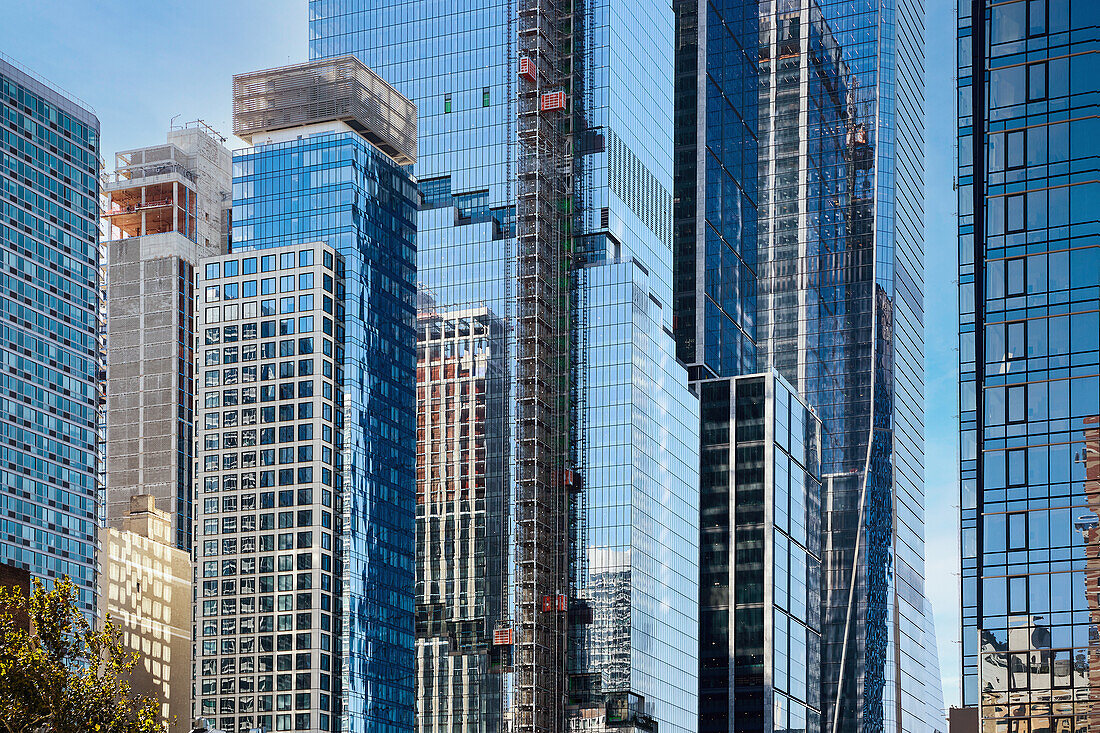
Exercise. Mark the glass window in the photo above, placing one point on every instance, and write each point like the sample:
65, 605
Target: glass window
213, 270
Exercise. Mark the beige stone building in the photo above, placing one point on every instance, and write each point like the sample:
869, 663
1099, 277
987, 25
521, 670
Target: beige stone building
145, 589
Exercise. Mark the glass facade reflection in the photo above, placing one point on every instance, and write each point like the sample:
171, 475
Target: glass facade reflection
1029, 288
837, 299
461, 521
717, 164
760, 543
50, 325
633, 647
546, 141
331, 185
840, 261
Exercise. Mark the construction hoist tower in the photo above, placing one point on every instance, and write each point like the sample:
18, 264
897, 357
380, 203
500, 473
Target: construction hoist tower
541, 332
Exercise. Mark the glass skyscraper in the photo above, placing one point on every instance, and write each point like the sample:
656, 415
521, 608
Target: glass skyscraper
335, 171
716, 208
546, 176
1029, 350
837, 257
51, 331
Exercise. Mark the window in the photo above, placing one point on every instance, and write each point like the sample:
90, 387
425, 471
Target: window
1017, 467
446, 104
213, 271
1017, 531
485, 96
1036, 86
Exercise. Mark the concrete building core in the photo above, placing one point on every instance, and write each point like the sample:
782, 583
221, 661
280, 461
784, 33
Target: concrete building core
166, 206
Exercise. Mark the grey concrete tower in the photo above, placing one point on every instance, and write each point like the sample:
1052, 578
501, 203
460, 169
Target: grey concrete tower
166, 206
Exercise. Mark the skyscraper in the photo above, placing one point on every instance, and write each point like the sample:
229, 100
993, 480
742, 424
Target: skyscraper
837, 294
546, 172
1029, 351
145, 587
166, 206
50, 331
716, 206
324, 324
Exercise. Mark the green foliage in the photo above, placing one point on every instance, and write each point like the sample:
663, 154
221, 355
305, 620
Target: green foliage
63, 676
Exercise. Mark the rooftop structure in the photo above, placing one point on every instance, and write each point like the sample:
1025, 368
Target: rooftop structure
341, 89
180, 186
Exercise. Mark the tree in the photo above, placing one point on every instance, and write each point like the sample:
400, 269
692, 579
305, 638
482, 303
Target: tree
62, 676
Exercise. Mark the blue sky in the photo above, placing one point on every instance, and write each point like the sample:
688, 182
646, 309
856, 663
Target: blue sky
139, 64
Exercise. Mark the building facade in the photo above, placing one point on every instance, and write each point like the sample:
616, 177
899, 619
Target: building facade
461, 520
267, 602
145, 591
1029, 277
50, 326
834, 283
760, 544
546, 173
337, 170
166, 207
717, 164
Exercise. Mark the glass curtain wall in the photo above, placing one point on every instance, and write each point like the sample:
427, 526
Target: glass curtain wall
50, 326
1029, 350
840, 262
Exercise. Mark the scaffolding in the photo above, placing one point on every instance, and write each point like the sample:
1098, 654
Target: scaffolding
542, 378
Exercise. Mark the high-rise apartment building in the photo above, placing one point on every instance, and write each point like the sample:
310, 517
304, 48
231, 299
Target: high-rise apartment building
49, 331
834, 280
166, 207
1029, 351
266, 550
546, 172
332, 145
